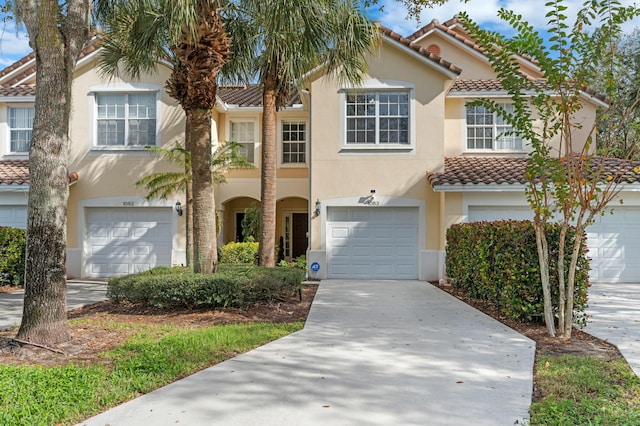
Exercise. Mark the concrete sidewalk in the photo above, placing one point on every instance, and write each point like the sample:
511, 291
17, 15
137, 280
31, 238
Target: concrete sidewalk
79, 293
614, 316
372, 352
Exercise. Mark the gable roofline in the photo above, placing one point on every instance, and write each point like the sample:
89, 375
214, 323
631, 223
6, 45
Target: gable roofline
447, 30
420, 52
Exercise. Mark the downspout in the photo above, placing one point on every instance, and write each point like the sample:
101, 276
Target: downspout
309, 200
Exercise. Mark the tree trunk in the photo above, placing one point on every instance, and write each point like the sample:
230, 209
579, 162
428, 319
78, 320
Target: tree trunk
198, 143
189, 220
57, 46
266, 250
189, 203
543, 258
562, 295
571, 282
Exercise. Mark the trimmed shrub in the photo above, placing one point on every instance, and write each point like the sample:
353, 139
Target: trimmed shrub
233, 286
498, 261
239, 253
12, 260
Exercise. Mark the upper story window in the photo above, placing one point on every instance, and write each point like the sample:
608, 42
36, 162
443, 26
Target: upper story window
486, 130
20, 125
125, 119
244, 133
294, 142
377, 118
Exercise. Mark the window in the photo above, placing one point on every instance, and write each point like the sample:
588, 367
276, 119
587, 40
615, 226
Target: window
243, 132
294, 144
126, 119
377, 118
485, 130
20, 125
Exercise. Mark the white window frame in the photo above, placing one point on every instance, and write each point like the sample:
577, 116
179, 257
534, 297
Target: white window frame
256, 133
122, 88
375, 85
497, 129
7, 121
281, 141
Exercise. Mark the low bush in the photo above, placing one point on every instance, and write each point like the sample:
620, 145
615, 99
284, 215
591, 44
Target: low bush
12, 258
233, 285
298, 262
239, 253
498, 261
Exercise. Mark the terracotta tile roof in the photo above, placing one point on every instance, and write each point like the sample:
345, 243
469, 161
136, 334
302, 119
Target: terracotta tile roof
249, 95
91, 46
446, 26
510, 171
14, 172
455, 28
23, 90
494, 85
421, 50
480, 170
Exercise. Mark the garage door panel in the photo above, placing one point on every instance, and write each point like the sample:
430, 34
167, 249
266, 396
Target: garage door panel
338, 214
340, 232
377, 240
120, 232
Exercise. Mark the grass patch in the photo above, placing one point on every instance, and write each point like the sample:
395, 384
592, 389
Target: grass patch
152, 358
585, 391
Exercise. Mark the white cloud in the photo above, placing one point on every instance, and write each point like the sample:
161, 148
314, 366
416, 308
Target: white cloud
484, 12
13, 45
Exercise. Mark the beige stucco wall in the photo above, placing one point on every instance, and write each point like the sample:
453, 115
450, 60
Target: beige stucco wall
338, 173
105, 174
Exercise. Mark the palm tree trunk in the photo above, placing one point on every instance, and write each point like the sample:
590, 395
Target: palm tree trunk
44, 318
266, 251
198, 143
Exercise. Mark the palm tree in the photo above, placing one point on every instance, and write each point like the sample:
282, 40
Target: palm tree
164, 184
283, 40
191, 35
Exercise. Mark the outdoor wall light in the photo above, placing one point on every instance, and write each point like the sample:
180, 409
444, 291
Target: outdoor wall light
318, 206
179, 208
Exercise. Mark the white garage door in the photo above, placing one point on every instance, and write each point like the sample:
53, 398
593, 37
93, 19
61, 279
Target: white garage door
372, 242
121, 241
614, 246
14, 216
613, 240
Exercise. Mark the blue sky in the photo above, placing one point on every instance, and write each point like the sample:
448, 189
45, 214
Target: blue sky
13, 46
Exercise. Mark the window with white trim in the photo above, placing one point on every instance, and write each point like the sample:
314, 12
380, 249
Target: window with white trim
125, 119
294, 142
486, 130
379, 117
244, 133
20, 126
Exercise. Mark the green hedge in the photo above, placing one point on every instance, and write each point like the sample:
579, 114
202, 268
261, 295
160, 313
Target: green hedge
12, 260
233, 285
239, 253
498, 261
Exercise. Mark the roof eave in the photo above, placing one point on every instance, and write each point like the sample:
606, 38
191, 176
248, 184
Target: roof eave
480, 187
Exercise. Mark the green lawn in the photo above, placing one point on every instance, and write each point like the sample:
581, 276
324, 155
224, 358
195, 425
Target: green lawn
154, 357
586, 391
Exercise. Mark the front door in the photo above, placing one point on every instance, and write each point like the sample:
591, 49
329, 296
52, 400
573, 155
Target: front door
300, 240
239, 219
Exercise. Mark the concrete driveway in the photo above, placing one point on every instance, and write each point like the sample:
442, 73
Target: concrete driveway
79, 293
372, 352
614, 316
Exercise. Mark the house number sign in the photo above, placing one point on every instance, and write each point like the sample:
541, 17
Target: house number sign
128, 203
